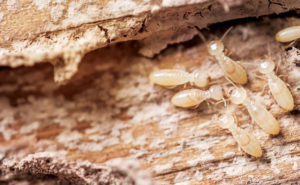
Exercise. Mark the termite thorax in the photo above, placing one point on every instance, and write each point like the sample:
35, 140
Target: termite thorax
215, 92
271, 77
221, 57
199, 79
207, 95
250, 104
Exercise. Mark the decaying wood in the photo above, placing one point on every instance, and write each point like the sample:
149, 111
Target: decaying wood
61, 32
109, 124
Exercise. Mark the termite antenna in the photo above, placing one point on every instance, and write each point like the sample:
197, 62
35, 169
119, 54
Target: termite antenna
228, 53
270, 56
223, 100
226, 33
263, 90
208, 105
201, 35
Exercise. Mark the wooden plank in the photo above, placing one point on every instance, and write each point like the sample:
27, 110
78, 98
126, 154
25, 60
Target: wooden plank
110, 110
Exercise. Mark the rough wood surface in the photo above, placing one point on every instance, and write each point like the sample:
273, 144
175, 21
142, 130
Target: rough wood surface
61, 31
109, 124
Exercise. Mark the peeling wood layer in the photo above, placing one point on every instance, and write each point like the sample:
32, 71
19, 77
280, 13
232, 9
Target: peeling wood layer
62, 32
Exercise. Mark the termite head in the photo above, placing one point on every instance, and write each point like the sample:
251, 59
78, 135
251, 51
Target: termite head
238, 96
267, 66
226, 121
215, 47
215, 92
200, 79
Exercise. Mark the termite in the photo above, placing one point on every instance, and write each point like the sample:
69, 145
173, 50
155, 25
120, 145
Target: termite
245, 140
194, 97
288, 34
278, 88
231, 68
174, 77
258, 113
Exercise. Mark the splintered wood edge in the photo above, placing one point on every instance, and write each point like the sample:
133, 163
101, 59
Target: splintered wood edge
79, 28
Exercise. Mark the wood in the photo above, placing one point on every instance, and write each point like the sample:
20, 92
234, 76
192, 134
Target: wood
110, 125
62, 32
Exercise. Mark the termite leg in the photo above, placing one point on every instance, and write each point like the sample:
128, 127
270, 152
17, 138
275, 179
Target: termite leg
230, 81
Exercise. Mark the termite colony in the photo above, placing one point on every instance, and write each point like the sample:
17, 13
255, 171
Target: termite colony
235, 73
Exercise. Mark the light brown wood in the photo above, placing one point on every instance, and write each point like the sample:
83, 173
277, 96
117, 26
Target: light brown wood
62, 32
110, 110
108, 124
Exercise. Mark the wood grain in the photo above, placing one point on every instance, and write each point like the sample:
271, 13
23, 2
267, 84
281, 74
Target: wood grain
110, 121
62, 32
